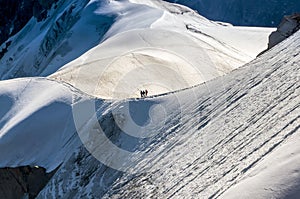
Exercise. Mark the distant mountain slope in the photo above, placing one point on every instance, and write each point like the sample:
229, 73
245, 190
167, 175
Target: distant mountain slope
14, 15
264, 13
44, 46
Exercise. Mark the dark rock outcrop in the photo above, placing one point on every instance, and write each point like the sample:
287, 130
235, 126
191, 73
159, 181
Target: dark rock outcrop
21, 181
288, 26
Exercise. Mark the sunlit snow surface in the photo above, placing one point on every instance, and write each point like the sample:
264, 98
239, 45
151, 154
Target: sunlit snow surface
234, 136
176, 50
112, 49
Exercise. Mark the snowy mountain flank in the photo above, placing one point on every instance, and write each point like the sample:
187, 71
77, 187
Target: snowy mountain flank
219, 122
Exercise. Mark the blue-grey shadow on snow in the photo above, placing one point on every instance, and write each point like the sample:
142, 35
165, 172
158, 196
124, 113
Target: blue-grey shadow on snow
139, 111
6, 104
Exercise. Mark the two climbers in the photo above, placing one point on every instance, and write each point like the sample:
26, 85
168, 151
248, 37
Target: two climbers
144, 93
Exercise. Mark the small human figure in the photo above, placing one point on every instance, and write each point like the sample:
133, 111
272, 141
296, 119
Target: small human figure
141, 92
146, 92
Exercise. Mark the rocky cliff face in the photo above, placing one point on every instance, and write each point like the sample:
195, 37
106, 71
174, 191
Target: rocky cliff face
14, 14
22, 181
288, 26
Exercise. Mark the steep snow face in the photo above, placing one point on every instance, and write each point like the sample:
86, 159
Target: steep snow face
177, 50
277, 176
238, 134
264, 13
36, 122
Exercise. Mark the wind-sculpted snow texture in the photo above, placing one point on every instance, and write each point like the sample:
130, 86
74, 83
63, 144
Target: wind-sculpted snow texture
210, 138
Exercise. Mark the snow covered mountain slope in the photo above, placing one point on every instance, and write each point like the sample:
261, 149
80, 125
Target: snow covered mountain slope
217, 139
191, 48
36, 122
241, 129
72, 28
276, 176
128, 31
236, 134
